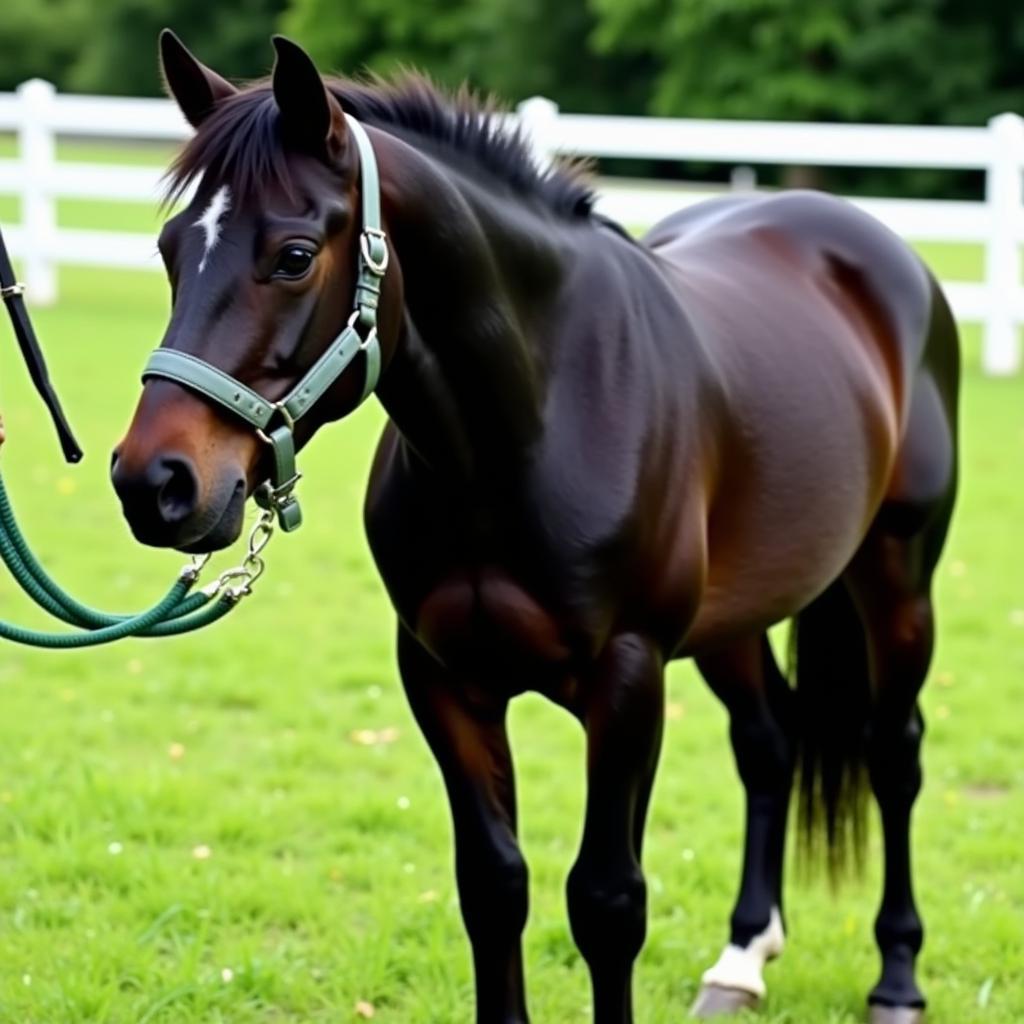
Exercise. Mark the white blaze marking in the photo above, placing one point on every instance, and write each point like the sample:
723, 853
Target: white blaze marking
740, 967
210, 221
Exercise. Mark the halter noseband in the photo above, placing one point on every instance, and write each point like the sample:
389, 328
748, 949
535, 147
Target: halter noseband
275, 421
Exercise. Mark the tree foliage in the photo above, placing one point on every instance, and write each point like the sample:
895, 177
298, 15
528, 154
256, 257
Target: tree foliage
922, 61
121, 55
886, 60
514, 48
111, 46
38, 39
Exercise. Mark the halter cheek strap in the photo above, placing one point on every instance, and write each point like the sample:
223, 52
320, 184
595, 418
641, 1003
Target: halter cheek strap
275, 421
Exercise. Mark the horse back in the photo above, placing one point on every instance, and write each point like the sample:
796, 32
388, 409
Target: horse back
810, 244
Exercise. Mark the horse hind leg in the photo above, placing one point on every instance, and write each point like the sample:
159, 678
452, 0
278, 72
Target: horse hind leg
746, 678
890, 582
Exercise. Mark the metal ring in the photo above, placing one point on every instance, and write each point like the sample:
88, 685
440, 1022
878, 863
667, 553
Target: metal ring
289, 419
254, 566
260, 538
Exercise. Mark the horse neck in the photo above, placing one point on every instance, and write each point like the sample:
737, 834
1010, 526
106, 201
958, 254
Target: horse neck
465, 384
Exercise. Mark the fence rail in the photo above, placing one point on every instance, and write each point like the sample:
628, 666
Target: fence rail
37, 114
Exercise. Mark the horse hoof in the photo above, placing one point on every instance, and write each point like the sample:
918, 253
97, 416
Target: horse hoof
880, 1014
718, 1001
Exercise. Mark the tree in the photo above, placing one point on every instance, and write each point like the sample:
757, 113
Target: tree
384, 34
111, 47
39, 39
920, 61
514, 48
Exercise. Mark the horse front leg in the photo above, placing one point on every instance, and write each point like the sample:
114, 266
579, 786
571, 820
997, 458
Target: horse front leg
623, 713
471, 748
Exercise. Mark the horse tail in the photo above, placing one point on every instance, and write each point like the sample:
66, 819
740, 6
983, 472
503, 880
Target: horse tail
829, 667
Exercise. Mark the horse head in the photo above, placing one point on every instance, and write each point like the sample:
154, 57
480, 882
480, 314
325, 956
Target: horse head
264, 263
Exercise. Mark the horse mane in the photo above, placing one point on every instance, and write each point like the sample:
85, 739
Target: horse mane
240, 144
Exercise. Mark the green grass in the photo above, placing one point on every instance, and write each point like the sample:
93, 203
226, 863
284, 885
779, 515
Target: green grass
101, 151
329, 877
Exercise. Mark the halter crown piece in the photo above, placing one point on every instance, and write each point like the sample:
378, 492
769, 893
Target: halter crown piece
275, 421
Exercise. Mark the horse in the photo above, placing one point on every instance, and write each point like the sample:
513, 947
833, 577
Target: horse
601, 454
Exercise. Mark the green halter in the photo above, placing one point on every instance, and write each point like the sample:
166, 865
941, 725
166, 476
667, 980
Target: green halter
275, 421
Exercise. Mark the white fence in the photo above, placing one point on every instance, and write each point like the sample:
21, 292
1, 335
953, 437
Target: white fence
38, 115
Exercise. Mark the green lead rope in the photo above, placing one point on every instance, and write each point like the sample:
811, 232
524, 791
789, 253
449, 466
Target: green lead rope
179, 611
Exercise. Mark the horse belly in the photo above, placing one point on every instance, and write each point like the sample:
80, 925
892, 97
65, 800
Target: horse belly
816, 425
791, 514
484, 621
775, 550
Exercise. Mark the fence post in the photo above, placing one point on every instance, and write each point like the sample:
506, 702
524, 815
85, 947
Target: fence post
743, 179
539, 120
37, 149
1004, 194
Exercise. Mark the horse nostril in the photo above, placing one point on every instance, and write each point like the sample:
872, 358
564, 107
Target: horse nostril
176, 497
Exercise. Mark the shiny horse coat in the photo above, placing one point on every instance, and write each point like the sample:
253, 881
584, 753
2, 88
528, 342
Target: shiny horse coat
601, 455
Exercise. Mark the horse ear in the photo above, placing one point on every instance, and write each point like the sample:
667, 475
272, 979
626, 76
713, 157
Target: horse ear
311, 117
195, 88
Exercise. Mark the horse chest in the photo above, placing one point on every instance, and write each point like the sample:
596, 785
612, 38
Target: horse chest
484, 615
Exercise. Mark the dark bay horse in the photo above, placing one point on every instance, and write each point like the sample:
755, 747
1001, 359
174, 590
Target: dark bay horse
602, 454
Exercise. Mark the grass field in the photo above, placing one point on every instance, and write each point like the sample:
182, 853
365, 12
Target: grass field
244, 825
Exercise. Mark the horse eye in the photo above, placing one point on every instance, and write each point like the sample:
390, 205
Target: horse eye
293, 262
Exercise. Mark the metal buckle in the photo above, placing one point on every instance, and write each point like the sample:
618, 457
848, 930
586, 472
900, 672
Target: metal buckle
9, 291
369, 262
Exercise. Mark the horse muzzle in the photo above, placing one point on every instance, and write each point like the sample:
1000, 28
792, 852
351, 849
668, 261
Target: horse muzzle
164, 503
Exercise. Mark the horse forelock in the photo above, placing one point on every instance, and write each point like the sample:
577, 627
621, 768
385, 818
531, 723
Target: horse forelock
241, 145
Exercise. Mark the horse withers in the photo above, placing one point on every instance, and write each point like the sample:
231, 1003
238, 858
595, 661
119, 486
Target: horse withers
602, 454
